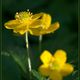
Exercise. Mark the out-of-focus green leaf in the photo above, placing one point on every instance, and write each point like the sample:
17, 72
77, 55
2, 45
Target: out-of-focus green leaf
10, 70
21, 63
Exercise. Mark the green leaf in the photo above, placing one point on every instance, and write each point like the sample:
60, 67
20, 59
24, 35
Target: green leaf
18, 59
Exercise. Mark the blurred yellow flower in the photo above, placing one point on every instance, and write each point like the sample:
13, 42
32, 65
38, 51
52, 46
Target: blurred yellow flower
37, 24
55, 66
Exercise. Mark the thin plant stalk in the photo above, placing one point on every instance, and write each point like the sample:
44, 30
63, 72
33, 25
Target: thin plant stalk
28, 54
40, 43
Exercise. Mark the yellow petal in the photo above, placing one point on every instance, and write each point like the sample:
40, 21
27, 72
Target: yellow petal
44, 70
35, 24
46, 57
37, 16
53, 27
35, 31
67, 69
11, 24
60, 57
46, 21
21, 29
55, 75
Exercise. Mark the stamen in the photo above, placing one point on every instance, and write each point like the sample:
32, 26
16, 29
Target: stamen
31, 13
16, 13
27, 10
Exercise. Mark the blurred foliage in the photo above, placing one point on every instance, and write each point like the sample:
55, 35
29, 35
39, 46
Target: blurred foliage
64, 11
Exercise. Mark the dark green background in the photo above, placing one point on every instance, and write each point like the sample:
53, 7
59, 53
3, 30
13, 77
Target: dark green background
64, 11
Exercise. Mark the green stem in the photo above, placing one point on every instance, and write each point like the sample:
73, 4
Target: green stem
28, 54
40, 41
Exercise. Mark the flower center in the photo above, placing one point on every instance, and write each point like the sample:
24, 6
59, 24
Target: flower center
54, 65
24, 17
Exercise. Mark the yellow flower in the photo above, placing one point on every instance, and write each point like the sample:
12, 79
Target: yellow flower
37, 24
21, 23
55, 66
